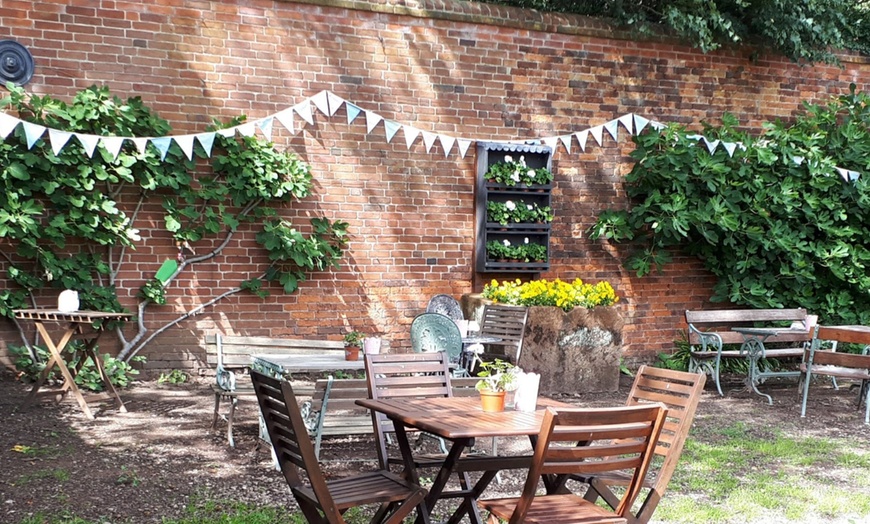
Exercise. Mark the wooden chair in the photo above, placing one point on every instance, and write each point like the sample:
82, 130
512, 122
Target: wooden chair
680, 392
619, 439
838, 364
323, 501
427, 375
507, 323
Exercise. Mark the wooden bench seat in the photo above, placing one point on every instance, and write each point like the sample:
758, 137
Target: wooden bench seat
711, 330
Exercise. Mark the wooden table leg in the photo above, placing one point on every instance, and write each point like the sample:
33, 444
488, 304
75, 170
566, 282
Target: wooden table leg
61, 364
90, 351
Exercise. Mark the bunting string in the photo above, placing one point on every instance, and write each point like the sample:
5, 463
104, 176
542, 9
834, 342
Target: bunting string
328, 104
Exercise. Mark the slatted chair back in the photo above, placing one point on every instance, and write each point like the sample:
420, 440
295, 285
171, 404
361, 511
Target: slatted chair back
621, 439
436, 332
833, 363
445, 305
410, 375
292, 446
507, 323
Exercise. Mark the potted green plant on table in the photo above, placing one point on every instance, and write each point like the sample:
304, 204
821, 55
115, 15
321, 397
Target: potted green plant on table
496, 379
352, 342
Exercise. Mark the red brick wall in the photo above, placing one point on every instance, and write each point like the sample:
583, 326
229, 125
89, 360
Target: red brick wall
462, 69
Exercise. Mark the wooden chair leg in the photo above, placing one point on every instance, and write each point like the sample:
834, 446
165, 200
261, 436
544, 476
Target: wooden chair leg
230, 421
217, 410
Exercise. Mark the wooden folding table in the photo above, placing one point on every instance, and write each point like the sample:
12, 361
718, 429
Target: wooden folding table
77, 322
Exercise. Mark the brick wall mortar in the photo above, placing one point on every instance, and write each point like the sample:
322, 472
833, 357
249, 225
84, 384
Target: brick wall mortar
469, 70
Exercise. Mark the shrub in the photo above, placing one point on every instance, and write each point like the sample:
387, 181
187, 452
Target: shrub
556, 293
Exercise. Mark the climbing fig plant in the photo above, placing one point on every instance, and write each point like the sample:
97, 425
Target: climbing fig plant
70, 221
777, 222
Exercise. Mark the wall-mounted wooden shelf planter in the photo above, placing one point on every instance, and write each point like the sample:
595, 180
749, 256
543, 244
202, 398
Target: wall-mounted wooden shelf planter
535, 156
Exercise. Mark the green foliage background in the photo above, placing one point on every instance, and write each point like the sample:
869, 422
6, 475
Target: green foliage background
777, 223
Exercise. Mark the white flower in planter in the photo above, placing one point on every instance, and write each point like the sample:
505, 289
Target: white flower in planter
510, 205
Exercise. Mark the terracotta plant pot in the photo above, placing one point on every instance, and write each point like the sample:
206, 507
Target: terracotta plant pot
351, 353
492, 401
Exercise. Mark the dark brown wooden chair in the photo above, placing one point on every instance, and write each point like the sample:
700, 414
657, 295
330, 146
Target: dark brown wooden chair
680, 392
619, 440
507, 323
427, 375
323, 501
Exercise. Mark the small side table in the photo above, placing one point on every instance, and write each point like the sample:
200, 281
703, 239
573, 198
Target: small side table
77, 321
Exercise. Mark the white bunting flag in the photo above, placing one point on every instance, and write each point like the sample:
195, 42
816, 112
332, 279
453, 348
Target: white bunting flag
582, 136
392, 128
353, 111
730, 147
411, 134
596, 132
843, 173
711, 145
447, 143
265, 126
428, 140
162, 144
58, 140
463, 146
286, 119
566, 142
612, 128
229, 132
247, 129
33, 132
334, 101
640, 124
185, 142
372, 120
89, 142
112, 144
798, 159
7, 124
551, 141
321, 103
141, 143
206, 140
626, 121
658, 126
303, 109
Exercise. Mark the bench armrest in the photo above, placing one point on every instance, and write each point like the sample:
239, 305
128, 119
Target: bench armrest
709, 341
225, 379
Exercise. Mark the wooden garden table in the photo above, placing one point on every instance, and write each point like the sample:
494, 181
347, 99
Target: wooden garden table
460, 420
76, 322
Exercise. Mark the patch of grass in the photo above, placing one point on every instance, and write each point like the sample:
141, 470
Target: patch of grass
60, 475
737, 475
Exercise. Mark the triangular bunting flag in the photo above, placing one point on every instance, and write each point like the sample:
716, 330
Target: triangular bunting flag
596, 132
112, 144
334, 101
206, 140
286, 119
141, 142
640, 123
411, 134
612, 128
658, 126
227, 133
843, 173
711, 145
33, 132
582, 136
854, 175
551, 141
428, 140
247, 129
185, 142
730, 147
447, 143
463, 146
7, 124
89, 142
58, 139
303, 109
798, 159
352, 112
265, 126
320, 102
162, 144
372, 120
626, 121
391, 128
695, 137
566, 142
